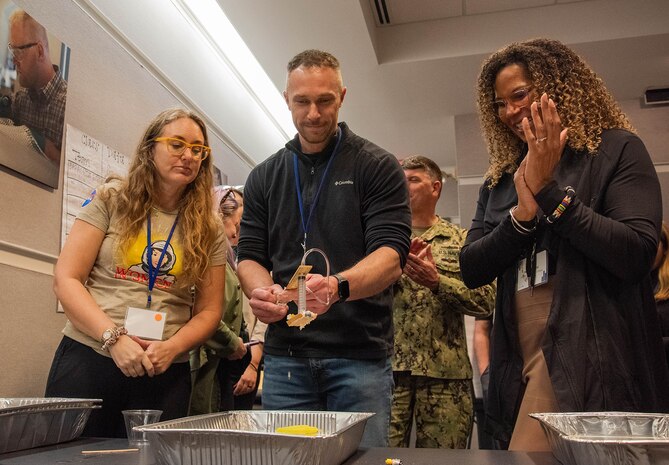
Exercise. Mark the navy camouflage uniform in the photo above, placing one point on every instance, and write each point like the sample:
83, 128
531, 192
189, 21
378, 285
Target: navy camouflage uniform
433, 374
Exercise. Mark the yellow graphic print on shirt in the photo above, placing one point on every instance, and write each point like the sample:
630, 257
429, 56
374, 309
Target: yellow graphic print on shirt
136, 261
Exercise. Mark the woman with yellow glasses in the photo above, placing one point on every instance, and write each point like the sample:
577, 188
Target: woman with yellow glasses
141, 278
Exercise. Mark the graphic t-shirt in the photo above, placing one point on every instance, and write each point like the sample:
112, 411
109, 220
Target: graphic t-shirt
116, 283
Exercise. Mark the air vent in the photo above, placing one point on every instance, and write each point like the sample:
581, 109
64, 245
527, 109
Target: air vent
381, 12
656, 96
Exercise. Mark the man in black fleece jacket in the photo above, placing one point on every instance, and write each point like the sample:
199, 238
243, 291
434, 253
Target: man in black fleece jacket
332, 190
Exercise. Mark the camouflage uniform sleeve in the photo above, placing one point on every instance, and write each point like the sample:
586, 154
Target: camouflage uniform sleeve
452, 291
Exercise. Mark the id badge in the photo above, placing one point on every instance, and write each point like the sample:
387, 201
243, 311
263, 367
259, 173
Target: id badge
144, 323
540, 272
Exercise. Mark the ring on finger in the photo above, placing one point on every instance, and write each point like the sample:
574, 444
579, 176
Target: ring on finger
541, 139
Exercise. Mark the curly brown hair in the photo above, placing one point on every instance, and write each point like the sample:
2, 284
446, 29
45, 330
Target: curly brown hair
584, 104
136, 194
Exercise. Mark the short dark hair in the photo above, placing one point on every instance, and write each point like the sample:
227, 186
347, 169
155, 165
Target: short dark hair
419, 162
313, 59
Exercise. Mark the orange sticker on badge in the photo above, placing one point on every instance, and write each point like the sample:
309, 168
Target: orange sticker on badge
145, 323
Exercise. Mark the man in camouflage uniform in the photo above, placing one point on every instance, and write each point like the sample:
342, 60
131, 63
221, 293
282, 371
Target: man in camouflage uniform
433, 375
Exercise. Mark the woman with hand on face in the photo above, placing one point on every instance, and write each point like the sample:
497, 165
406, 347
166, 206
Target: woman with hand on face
141, 280
567, 221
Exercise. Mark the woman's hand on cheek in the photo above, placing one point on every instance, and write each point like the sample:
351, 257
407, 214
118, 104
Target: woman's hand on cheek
527, 206
545, 144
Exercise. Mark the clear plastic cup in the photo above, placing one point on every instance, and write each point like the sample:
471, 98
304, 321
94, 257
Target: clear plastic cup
139, 418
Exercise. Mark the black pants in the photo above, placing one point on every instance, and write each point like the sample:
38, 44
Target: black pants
78, 371
486, 441
228, 373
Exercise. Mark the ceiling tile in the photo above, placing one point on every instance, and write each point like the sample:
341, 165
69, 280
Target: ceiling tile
475, 7
393, 12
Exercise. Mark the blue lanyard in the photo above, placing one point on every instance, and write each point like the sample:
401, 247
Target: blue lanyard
153, 273
307, 224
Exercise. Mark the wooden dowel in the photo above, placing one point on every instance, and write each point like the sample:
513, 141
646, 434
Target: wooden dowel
108, 451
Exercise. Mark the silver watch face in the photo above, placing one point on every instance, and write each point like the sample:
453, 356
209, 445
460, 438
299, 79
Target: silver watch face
107, 335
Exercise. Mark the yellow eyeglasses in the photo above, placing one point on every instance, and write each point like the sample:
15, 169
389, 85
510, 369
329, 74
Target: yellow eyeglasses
177, 147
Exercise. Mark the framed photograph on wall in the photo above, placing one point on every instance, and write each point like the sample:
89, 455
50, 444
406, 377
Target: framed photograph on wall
220, 178
33, 89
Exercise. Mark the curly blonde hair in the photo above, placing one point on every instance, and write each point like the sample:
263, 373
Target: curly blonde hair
136, 194
584, 104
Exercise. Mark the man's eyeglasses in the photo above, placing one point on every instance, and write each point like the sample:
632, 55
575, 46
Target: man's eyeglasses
177, 147
519, 98
17, 50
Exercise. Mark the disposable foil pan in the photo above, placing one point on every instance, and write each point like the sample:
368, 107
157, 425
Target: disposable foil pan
33, 422
607, 438
249, 438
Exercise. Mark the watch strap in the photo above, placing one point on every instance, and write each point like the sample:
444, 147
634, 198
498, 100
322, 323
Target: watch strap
343, 290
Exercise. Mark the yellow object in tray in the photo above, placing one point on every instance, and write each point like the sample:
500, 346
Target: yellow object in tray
300, 430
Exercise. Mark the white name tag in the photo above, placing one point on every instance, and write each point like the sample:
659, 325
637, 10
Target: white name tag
145, 323
540, 274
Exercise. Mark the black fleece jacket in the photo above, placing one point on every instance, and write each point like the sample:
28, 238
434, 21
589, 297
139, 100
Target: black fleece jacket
363, 205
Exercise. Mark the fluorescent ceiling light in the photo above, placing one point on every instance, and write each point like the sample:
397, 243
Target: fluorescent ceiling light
207, 17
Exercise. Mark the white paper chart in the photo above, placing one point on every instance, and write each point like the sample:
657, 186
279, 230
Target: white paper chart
88, 162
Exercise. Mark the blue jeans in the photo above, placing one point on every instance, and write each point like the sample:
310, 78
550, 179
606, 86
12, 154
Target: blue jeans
333, 384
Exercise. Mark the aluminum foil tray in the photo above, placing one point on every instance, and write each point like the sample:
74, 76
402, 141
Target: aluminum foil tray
248, 438
35, 422
607, 438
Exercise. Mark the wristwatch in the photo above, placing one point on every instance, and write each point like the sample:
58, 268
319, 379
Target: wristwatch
342, 288
111, 335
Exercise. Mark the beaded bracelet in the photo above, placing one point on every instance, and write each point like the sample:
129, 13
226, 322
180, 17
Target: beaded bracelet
519, 227
566, 201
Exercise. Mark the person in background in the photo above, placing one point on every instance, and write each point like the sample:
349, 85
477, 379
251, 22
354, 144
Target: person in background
128, 334
214, 364
661, 278
40, 104
332, 190
431, 367
256, 330
247, 372
481, 343
567, 221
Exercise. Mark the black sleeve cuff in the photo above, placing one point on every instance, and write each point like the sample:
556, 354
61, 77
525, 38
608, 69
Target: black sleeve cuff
549, 198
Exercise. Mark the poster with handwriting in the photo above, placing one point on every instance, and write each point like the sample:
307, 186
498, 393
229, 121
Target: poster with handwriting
88, 162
